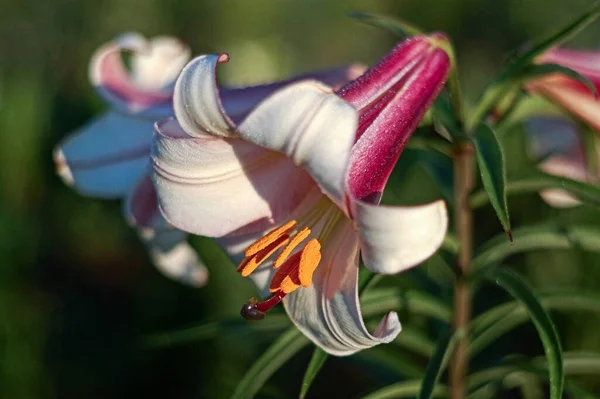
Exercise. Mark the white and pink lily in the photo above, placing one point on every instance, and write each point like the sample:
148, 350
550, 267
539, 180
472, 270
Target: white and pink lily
108, 158
569, 93
559, 144
306, 165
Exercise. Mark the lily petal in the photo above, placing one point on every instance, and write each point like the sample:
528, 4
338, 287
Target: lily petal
585, 62
174, 257
213, 186
312, 126
571, 95
196, 100
106, 157
328, 312
157, 68
168, 247
572, 168
118, 87
389, 121
396, 238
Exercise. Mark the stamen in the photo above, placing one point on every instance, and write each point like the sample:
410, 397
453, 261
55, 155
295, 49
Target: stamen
249, 264
294, 242
309, 260
298, 269
268, 239
283, 279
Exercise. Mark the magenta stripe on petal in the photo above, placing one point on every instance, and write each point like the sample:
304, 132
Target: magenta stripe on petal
402, 106
393, 67
116, 80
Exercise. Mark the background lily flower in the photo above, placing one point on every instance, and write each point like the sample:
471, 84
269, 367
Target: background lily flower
559, 145
108, 158
569, 93
291, 190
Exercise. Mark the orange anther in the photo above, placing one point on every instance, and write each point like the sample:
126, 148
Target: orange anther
250, 263
294, 242
269, 238
284, 276
298, 269
309, 260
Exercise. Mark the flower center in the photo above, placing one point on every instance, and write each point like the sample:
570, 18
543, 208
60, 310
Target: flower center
294, 270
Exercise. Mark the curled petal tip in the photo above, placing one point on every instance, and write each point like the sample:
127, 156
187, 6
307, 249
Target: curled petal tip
223, 57
388, 328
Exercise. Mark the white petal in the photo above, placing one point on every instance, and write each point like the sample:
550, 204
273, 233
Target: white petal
113, 82
168, 248
213, 187
572, 168
158, 66
106, 157
328, 312
312, 126
196, 99
175, 258
395, 238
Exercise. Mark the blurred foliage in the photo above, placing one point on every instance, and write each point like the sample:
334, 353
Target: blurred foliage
77, 292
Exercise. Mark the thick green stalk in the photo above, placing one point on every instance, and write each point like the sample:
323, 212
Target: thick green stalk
463, 218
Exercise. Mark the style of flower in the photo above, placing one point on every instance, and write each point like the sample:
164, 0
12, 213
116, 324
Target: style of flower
291, 190
572, 95
108, 158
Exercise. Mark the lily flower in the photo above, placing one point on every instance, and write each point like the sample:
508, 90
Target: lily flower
572, 95
558, 144
291, 191
108, 158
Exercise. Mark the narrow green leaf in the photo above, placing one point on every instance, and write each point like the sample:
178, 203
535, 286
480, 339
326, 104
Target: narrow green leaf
235, 327
383, 357
538, 70
559, 37
286, 346
488, 382
508, 79
405, 389
318, 359
545, 236
519, 289
532, 181
444, 119
490, 159
383, 300
396, 26
511, 365
492, 324
436, 365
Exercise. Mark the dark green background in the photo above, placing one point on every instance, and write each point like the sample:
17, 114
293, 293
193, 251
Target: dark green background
77, 292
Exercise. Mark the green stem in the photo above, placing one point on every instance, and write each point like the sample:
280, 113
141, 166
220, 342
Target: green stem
463, 216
